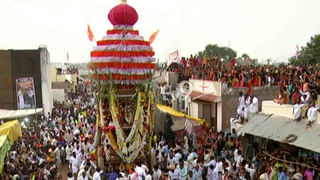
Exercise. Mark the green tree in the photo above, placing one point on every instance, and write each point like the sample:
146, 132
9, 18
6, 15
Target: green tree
310, 54
212, 50
245, 56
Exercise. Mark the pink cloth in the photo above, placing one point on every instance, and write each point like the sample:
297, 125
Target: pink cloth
308, 174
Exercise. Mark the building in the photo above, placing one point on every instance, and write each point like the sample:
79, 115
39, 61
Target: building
25, 79
274, 127
205, 102
63, 78
216, 104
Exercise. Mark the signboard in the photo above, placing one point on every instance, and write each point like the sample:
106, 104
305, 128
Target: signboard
174, 57
26, 96
206, 87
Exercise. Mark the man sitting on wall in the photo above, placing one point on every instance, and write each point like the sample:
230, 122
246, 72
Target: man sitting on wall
312, 114
297, 110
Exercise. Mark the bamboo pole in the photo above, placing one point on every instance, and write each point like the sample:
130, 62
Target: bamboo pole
291, 162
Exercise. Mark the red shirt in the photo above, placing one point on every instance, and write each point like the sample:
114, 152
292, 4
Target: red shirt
250, 86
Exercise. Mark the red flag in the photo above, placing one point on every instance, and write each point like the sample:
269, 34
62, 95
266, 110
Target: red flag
153, 36
233, 61
90, 34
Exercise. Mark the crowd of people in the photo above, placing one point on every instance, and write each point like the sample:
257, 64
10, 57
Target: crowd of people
299, 85
237, 76
64, 138
218, 156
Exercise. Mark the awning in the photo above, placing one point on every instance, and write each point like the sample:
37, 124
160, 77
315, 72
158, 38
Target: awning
12, 129
12, 114
179, 124
177, 114
279, 128
203, 97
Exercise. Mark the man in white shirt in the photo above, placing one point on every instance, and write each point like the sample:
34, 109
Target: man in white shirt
176, 175
68, 137
297, 110
68, 152
82, 175
140, 171
254, 106
247, 101
80, 156
211, 173
241, 106
237, 157
312, 114
57, 153
96, 175
211, 162
305, 96
156, 173
250, 170
74, 164
171, 159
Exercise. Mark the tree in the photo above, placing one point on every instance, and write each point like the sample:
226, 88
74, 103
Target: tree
310, 54
245, 56
212, 50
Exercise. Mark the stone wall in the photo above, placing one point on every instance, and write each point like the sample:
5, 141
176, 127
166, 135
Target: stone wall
230, 101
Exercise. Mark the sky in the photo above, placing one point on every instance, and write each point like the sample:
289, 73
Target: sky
261, 28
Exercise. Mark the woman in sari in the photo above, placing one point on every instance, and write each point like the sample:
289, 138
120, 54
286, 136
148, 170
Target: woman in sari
280, 98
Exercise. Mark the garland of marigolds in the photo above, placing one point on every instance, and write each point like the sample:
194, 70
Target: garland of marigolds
128, 148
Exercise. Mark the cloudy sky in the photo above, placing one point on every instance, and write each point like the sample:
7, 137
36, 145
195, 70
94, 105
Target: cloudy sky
262, 28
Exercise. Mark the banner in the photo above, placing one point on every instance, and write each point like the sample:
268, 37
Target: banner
26, 96
174, 57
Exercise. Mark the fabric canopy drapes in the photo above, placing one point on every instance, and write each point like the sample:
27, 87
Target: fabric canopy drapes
12, 129
175, 113
5, 146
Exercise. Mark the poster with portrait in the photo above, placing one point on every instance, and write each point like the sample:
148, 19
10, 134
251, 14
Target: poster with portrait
26, 96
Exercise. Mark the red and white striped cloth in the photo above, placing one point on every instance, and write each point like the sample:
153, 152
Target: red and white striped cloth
124, 54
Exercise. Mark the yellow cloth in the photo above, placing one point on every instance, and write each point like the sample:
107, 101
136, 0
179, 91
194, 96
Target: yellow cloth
175, 113
12, 129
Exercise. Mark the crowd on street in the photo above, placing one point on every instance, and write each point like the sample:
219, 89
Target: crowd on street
64, 138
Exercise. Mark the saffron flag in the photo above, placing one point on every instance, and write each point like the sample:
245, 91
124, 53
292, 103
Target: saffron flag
153, 36
90, 34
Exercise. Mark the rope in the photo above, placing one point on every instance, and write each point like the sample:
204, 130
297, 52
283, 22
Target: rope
290, 162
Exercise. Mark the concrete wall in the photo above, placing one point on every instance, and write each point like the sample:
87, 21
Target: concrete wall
172, 79
26, 63
59, 95
7, 94
160, 118
47, 99
230, 99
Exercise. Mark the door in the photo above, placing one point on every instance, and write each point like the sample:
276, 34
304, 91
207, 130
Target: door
207, 112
